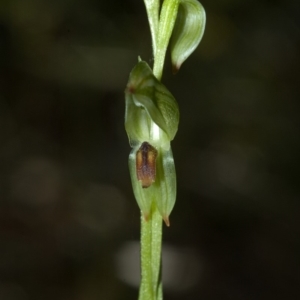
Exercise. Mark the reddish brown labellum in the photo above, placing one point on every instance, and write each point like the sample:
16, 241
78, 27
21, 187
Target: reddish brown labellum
146, 164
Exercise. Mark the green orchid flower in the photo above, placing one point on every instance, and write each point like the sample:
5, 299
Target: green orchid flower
151, 122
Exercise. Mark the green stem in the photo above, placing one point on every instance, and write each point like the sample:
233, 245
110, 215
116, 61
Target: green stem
156, 252
151, 229
151, 241
146, 289
152, 8
166, 24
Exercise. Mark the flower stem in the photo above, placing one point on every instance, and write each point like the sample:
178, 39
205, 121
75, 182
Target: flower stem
152, 8
151, 240
166, 24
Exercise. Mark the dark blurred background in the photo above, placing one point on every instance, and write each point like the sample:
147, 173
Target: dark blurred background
69, 224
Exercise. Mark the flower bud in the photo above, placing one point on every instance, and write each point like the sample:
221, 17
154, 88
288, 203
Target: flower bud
188, 31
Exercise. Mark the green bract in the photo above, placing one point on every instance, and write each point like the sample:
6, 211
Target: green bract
151, 122
188, 31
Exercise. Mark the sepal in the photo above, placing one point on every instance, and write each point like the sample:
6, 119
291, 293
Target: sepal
147, 101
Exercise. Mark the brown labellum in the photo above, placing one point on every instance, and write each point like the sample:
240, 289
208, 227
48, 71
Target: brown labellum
146, 164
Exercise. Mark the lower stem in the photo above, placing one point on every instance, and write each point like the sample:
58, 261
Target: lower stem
151, 241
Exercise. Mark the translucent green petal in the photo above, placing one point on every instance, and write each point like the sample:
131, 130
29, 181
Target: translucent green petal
166, 179
144, 93
144, 197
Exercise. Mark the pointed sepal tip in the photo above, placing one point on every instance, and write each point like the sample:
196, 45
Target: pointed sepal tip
166, 220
